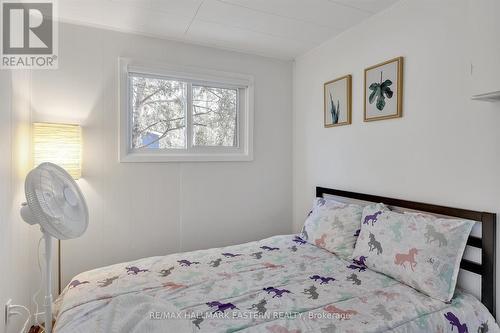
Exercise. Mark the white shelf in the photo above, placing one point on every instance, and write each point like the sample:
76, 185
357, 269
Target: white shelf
488, 97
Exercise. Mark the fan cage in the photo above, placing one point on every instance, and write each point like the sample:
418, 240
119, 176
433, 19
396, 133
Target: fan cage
39, 211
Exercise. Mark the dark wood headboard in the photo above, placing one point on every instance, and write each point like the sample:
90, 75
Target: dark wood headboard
486, 269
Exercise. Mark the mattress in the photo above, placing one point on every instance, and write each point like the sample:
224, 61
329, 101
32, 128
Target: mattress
277, 285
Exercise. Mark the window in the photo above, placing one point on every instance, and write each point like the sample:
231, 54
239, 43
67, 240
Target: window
158, 113
215, 120
181, 114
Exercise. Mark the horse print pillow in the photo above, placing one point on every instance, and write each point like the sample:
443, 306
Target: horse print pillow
419, 250
333, 226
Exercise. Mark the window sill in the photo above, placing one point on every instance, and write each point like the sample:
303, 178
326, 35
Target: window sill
164, 158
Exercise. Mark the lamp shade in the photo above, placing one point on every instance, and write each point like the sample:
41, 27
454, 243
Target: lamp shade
60, 144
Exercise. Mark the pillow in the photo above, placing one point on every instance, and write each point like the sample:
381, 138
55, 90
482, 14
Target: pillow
333, 226
419, 250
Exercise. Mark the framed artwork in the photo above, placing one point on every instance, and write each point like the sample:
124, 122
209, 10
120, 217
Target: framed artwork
337, 101
384, 90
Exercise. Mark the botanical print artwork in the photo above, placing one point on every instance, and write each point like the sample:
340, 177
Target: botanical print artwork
379, 91
337, 102
383, 90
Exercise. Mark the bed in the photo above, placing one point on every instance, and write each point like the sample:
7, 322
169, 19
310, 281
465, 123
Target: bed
280, 284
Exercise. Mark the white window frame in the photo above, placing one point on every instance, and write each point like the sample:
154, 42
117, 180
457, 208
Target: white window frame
245, 85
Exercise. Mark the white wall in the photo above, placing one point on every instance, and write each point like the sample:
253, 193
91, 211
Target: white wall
445, 149
147, 209
5, 193
18, 270
483, 46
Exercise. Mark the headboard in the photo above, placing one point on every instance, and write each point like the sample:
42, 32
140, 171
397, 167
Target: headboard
486, 243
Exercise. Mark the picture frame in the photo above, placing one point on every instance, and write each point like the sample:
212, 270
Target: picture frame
383, 90
339, 90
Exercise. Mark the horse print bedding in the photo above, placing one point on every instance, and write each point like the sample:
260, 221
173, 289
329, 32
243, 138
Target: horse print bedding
419, 250
333, 226
277, 285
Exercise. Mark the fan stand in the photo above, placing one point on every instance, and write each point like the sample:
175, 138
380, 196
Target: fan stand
48, 282
39, 188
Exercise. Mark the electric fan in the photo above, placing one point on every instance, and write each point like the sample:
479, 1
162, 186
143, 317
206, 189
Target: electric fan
56, 203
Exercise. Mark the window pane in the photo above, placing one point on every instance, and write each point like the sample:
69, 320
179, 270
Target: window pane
158, 113
215, 116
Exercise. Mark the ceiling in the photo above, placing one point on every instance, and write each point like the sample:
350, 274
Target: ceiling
277, 28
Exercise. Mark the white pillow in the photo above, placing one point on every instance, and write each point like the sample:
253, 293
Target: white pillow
333, 226
419, 250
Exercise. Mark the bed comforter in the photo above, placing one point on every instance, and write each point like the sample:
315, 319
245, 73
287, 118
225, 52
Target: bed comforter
277, 285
